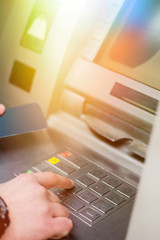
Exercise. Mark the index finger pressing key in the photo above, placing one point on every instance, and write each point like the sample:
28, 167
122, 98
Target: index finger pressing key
49, 180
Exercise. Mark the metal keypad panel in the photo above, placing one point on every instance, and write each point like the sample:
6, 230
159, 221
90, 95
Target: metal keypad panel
96, 194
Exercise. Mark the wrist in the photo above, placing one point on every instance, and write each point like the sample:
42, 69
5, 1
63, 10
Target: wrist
4, 217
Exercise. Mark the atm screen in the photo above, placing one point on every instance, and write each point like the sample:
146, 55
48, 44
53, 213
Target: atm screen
132, 46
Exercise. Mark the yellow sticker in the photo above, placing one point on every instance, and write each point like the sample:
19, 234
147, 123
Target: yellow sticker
54, 160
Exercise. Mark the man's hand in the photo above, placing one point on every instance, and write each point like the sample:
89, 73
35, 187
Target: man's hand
34, 211
2, 109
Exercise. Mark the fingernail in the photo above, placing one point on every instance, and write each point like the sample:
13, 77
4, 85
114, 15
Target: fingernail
71, 182
61, 235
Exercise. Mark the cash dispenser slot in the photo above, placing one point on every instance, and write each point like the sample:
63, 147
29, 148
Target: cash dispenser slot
103, 122
115, 129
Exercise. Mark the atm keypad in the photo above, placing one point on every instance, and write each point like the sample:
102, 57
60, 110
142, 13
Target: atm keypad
96, 194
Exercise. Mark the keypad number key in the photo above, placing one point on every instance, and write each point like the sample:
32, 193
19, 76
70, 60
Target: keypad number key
73, 203
75, 159
87, 196
85, 180
100, 188
61, 194
127, 190
112, 181
98, 173
65, 168
75, 189
115, 198
102, 206
90, 214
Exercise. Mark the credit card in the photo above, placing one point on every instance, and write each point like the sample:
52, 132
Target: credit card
22, 119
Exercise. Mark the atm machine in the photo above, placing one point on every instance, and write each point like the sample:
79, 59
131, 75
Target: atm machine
100, 106
34, 33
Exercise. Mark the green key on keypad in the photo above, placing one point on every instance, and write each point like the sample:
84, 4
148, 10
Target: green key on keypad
28, 171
